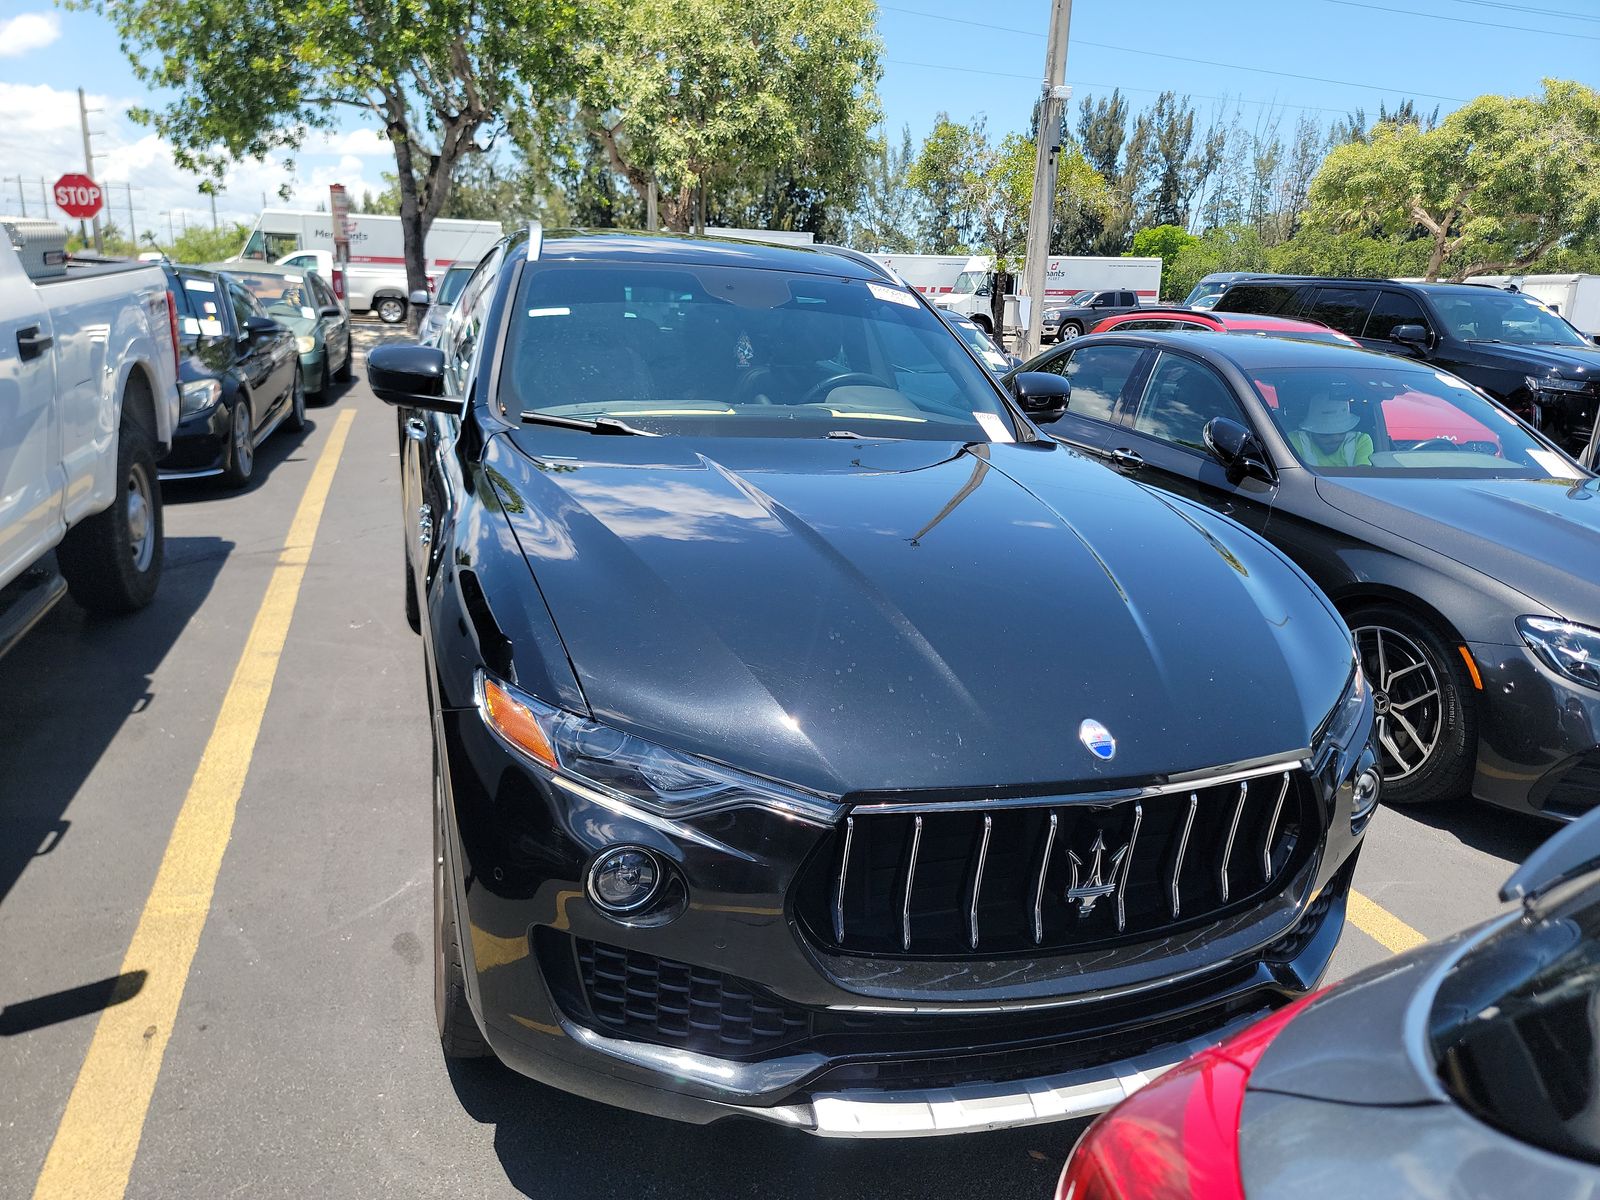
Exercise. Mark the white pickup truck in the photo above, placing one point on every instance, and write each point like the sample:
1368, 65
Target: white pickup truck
88, 401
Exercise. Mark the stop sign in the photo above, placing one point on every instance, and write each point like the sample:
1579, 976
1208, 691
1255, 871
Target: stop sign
78, 196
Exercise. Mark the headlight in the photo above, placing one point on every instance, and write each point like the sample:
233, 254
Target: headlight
1052, 314
306, 344
198, 395
1573, 650
1555, 384
628, 768
1346, 715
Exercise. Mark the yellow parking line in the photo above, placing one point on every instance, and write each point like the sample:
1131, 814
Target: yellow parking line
1381, 925
99, 1133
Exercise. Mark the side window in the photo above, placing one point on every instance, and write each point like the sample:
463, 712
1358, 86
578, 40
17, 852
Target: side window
1393, 309
305, 262
321, 294
244, 305
1268, 299
1098, 374
1344, 309
1128, 299
465, 324
1180, 398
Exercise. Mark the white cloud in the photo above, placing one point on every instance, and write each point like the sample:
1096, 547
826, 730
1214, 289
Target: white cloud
26, 32
39, 139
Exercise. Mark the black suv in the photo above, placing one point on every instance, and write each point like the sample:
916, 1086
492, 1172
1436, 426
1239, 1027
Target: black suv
1506, 343
1068, 318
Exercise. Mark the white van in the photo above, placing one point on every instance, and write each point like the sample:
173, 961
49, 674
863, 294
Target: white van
377, 276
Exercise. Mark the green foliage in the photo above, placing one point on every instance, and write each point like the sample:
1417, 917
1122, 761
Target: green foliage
1499, 183
888, 211
1165, 242
1316, 250
1226, 248
202, 244
699, 94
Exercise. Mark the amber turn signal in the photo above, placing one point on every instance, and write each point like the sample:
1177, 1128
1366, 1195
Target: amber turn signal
514, 721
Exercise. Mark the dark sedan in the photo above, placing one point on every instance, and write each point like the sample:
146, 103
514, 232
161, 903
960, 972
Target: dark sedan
1460, 544
1465, 1068
758, 790
239, 376
304, 303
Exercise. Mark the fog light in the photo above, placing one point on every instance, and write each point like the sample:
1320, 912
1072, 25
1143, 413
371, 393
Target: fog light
624, 879
1364, 797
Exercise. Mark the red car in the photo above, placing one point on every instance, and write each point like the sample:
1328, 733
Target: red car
1172, 319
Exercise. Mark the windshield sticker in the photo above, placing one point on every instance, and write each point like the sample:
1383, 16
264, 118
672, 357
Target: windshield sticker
993, 426
549, 312
1558, 467
892, 295
191, 325
294, 278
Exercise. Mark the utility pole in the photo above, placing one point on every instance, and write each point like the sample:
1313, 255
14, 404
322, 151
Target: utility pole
1041, 214
133, 234
21, 199
88, 166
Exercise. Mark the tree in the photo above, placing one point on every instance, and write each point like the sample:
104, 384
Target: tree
888, 211
1498, 184
936, 176
1170, 126
202, 244
249, 78
1165, 242
1227, 248
689, 94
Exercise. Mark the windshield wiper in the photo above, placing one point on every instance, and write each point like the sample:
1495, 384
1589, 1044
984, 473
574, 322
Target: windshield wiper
608, 425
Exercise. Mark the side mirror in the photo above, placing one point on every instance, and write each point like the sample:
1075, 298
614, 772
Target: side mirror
1238, 450
410, 376
330, 310
256, 328
1415, 336
420, 298
1595, 338
1043, 395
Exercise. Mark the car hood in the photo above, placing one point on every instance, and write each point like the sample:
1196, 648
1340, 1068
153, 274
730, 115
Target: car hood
1572, 362
1538, 536
860, 615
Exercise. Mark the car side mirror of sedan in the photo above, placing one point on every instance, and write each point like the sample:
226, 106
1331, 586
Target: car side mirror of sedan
1415, 336
420, 298
256, 328
1595, 338
1043, 395
330, 310
1238, 450
410, 376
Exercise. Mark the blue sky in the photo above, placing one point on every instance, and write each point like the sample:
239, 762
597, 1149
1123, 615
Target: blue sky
1270, 56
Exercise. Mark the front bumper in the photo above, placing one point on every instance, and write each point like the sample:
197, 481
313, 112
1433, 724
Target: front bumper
1538, 736
867, 1047
199, 445
311, 370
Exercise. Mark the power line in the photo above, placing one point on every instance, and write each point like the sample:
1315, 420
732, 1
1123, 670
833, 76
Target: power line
1179, 57
902, 62
1411, 12
1519, 8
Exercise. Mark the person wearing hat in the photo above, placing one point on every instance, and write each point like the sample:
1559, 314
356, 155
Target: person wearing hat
1327, 436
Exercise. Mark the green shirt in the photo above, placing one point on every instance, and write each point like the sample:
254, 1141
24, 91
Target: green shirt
1354, 451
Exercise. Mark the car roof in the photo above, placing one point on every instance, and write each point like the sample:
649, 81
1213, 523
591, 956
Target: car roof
626, 246
1254, 353
1460, 289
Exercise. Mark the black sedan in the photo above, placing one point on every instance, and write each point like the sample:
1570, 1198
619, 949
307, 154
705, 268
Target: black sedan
239, 378
757, 791
303, 303
1465, 1068
1460, 544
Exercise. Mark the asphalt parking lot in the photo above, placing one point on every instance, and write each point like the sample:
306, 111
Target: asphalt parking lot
300, 1057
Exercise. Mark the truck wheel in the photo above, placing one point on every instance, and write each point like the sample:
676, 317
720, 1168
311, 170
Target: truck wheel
391, 310
1427, 713
241, 467
112, 560
1071, 330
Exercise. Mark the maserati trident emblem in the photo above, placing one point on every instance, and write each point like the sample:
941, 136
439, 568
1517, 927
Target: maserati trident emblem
1097, 739
1088, 892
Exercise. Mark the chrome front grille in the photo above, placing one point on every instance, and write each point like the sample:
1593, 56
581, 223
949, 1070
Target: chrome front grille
991, 877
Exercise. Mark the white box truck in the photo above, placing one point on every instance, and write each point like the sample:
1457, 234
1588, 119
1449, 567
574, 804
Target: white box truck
930, 274
377, 276
1575, 297
1065, 275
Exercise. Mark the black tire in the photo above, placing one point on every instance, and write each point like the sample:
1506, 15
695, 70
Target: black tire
459, 1035
347, 369
1415, 773
296, 420
112, 560
1070, 330
240, 467
325, 384
391, 310
413, 608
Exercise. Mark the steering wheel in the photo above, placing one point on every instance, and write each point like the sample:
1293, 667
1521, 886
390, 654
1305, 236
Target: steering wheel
1436, 443
745, 391
838, 381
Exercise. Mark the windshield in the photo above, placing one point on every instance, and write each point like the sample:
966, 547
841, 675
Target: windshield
1389, 417
287, 298
742, 352
1205, 292
970, 282
1078, 299
1488, 315
450, 285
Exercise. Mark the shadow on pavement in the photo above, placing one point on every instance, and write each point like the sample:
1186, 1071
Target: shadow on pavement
68, 687
552, 1145
281, 446
28, 1015
1509, 836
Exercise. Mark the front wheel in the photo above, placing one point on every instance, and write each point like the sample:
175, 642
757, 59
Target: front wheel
391, 310
112, 560
1069, 331
1427, 721
241, 466
296, 420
